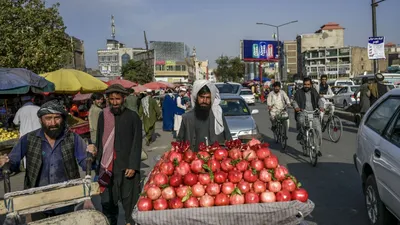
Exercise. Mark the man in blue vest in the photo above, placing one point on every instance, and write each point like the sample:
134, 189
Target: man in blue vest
52, 153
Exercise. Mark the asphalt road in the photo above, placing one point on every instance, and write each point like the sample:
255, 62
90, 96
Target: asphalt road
333, 185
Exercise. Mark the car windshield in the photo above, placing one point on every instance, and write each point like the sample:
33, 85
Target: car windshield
343, 83
354, 89
234, 107
228, 88
246, 93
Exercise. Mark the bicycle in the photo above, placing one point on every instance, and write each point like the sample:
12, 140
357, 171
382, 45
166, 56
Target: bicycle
280, 128
333, 123
309, 136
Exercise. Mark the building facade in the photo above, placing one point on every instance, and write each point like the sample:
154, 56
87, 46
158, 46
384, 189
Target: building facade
290, 50
77, 61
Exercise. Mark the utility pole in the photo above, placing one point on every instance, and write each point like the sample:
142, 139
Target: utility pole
374, 4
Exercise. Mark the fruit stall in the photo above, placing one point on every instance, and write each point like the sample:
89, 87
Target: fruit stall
235, 183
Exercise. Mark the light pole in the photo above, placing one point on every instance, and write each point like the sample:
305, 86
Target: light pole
279, 46
374, 4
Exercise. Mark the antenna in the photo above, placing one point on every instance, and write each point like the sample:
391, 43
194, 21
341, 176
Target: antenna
112, 27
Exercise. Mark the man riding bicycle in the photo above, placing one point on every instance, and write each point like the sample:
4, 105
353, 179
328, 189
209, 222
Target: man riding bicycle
325, 92
277, 101
308, 99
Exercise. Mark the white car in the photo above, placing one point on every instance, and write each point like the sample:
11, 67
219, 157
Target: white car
248, 96
345, 96
377, 159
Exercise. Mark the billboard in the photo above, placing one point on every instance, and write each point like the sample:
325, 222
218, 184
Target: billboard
260, 50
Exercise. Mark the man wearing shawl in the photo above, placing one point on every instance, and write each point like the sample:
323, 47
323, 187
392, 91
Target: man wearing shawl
52, 153
119, 140
168, 111
181, 107
150, 112
205, 122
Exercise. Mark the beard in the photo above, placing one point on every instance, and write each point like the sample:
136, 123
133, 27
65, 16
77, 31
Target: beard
306, 89
202, 111
54, 131
117, 110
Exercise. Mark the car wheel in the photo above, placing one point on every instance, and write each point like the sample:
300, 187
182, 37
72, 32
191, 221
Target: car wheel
376, 209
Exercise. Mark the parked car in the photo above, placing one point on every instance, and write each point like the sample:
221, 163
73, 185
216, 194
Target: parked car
377, 159
229, 88
248, 96
345, 96
238, 116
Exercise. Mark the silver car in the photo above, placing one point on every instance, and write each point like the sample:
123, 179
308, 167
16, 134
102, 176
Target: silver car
345, 96
238, 116
248, 96
377, 159
229, 87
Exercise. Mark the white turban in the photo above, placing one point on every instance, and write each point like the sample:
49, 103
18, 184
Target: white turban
215, 100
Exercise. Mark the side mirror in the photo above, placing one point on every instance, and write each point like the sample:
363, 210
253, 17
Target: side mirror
254, 111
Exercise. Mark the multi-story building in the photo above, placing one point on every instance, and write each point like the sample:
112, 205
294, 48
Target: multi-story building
330, 35
77, 60
290, 50
392, 52
114, 57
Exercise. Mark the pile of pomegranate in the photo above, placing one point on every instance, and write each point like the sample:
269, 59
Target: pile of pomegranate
218, 176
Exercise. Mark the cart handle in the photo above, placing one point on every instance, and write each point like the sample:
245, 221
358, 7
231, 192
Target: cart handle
6, 174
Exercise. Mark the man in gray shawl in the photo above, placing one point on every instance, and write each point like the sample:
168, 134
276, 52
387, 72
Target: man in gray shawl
205, 123
150, 112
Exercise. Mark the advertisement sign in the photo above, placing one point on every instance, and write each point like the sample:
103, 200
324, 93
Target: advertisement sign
170, 63
376, 48
260, 50
160, 62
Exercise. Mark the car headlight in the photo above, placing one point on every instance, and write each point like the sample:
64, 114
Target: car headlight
248, 132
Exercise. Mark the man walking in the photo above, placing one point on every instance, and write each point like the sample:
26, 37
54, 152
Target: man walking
119, 140
94, 113
131, 101
150, 112
168, 110
26, 116
181, 107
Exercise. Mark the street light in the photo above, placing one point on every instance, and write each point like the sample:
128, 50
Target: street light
374, 4
279, 46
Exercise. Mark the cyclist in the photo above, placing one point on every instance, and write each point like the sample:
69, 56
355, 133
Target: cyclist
325, 92
277, 101
308, 99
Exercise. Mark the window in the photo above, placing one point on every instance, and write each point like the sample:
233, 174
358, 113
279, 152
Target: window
362, 67
178, 68
125, 58
381, 115
160, 67
183, 68
246, 93
394, 134
234, 107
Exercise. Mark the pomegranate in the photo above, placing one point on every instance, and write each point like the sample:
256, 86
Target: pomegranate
175, 180
221, 199
160, 179
257, 164
268, 197
160, 204
249, 155
192, 202
206, 201
244, 186
263, 153
190, 179
250, 176
198, 190
214, 165
153, 192
235, 153
289, 185
259, 187
203, 155
300, 195
251, 197
242, 166
175, 156
220, 154
271, 162
265, 176
183, 168
236, 199
204, 178
167, 168
197, 166
235, 176
189, 156
220, 177
280, 173
226, 165
175, 203
145, 204
283, 196
213, 189
227, 188
274, 186
182, 191
253, 142
168, 193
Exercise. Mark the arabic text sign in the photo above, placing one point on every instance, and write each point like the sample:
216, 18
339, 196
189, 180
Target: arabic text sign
376, 48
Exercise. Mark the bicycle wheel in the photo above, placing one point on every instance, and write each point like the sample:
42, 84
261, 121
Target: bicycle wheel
283, 136
335, 128
276, 132
312, 148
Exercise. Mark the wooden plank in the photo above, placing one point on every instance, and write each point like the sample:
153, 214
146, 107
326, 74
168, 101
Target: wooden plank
49, 197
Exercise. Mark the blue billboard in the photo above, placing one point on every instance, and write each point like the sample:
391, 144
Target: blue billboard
260, 50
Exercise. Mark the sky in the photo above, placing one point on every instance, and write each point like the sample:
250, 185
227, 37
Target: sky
216, 27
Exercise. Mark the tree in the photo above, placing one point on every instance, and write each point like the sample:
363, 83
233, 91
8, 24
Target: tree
230, 69
137, 71
32, 36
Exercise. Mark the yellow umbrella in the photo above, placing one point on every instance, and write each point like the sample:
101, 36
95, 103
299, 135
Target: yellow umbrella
70, 81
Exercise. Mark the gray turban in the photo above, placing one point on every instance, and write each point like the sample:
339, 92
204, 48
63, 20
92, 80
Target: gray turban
52, 107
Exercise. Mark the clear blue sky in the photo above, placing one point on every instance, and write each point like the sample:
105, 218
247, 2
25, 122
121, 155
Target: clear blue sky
215, 27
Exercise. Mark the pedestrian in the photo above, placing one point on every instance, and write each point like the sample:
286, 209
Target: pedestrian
131, 102
94, 113
377, 88
168, 111
181, 107
365, 94
26, 117
52, 153
149, 111
206, 122
119, 140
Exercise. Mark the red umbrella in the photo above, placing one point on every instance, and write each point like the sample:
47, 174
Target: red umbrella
124, 83
139, 88
82, 97
155, 85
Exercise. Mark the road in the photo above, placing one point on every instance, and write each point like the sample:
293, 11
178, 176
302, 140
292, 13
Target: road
333, 185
